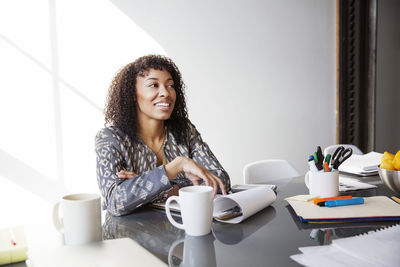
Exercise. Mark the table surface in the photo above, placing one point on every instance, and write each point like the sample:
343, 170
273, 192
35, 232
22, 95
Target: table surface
267, 238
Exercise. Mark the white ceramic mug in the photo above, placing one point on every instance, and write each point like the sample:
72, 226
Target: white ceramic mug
197, 251
196, 205
323, 184
81, 220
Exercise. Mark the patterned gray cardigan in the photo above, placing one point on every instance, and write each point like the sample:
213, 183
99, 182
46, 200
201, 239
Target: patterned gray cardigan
115, 151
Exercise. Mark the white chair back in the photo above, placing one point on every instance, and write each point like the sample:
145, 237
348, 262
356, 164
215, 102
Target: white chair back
268, 170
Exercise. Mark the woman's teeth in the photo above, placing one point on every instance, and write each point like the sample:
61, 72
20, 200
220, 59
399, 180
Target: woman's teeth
162, 105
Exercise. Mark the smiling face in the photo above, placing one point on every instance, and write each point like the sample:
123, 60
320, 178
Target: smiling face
155, 95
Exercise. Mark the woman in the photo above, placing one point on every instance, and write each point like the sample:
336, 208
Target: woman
150, 148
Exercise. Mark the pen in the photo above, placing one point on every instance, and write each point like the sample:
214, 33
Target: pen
344, 202
311, 164
317, 200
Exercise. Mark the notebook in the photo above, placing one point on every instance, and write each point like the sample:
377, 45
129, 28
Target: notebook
377, 208
12, 245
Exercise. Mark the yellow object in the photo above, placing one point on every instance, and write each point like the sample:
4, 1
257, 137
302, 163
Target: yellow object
387, 155
9, 252
396, 161
387, 164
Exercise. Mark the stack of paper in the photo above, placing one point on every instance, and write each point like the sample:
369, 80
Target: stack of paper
381, 248
363, 165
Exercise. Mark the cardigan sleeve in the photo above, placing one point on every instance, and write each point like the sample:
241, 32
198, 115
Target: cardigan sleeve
123, 196
202, 154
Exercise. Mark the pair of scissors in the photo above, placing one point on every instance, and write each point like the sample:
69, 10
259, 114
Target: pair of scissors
340, 155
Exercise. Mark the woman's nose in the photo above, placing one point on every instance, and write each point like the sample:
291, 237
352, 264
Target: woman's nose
163, 91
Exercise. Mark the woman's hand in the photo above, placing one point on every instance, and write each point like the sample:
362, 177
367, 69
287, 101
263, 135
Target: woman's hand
194, 172
126, 174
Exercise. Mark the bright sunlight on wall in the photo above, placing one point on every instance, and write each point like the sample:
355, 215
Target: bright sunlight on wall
57, 60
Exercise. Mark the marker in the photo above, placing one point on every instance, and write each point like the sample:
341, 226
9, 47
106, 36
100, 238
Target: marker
328, 158
317, 200
315, 157
320, 158
326, 167
311, 164
344, 202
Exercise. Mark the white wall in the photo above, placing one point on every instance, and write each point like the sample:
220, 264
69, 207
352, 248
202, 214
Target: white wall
260, 74
260, 77
57, 59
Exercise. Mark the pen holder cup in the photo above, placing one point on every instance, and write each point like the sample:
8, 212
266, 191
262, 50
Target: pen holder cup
322, 184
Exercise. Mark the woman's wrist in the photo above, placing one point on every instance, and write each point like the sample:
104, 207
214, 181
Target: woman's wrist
174, 167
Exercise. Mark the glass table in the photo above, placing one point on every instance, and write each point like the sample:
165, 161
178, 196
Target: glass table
267, 238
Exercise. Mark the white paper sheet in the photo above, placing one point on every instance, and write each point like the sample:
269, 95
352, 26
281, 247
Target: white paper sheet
250, 201
328, 256
381, 248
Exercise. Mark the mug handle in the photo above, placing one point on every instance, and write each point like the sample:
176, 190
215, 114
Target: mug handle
307, 179
171, 250
56, 219
172, 221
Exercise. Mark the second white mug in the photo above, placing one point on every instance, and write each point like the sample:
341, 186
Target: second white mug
323, 184
196, 204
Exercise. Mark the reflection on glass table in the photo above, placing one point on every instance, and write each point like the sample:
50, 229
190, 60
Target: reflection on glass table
196, 251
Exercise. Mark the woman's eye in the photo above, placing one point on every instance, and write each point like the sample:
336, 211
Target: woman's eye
171, 86
154, 85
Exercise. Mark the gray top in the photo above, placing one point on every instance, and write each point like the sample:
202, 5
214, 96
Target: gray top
116, 151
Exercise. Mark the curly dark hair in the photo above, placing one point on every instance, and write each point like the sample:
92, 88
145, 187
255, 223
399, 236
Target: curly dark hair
120, 107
